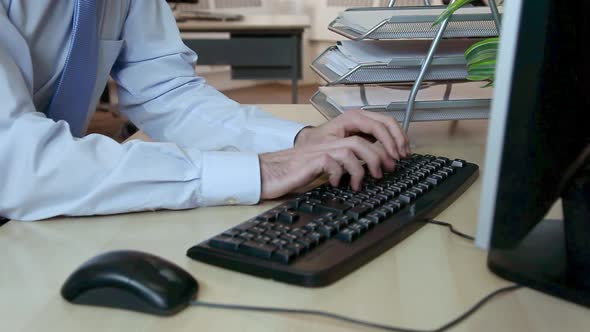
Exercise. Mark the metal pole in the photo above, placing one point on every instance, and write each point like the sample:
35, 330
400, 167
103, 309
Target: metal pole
426, 2
495, 14
391, 3
423, 71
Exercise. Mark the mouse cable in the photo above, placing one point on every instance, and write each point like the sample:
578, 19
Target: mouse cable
339, 317
451, 228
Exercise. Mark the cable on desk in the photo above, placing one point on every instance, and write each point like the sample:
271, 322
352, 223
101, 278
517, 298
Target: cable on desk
451, 228
364, 323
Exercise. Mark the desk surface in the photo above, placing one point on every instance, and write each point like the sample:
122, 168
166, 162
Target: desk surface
423, 282
250, 22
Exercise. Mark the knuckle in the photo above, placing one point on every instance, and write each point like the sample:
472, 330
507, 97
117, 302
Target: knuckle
325, 159
348, 154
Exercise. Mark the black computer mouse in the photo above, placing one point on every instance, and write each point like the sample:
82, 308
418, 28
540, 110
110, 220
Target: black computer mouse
131, 280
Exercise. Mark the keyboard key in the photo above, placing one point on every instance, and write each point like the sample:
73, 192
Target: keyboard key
256, 249
401, 185
262, 239
416, 190
354, 201
450, 170
385, 211
288, 217
297, 248
407, 197
381, 198
311, 226
226, 243
257, 230
270, 217
375, 217
279, 243
434, 180
343, 220
358, 228
296, 202
232, 232
333, 206
347, 235
273, 234
415, 179
426, 171
436, 164
367, 223
362, 196
327, 231
307, 206
247, 225
420, 174
395, 189
265, 225
443, 173
373, 201
298, 232
330, 216
425, 185
358, 211
282, 228
389, 209
316, 237
459, 163
288, 237
284, 256
246, 235
305, 243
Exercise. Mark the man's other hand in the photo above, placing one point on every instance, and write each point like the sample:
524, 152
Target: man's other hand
381, 127
335, 148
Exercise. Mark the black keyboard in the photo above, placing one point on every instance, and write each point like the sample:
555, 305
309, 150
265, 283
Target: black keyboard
328, 232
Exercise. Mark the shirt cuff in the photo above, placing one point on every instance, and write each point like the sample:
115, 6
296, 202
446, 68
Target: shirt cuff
230, 178
291, 130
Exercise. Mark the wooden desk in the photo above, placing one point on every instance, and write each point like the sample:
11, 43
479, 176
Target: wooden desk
423, 282
259, 47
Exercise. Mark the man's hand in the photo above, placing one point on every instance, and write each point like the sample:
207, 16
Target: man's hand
383, 128
335, 149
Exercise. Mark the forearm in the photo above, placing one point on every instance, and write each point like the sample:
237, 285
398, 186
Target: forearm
52, 174
160, 92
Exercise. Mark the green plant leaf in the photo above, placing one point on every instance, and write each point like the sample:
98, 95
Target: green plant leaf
480, 78
481, 60
486, 46
451, 9
483, 65
481, 56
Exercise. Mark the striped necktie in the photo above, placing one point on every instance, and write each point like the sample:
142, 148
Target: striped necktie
71, 101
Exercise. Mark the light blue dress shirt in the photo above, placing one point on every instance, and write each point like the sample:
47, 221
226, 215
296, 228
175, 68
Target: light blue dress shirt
206, 149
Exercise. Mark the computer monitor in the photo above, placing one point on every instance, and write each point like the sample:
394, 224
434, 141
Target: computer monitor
539, 151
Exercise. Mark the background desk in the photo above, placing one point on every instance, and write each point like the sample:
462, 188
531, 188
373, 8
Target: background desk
259, 47
423, 282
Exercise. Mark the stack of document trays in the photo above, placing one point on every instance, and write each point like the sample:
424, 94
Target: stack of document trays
378, 66
470, 100
372, 61
412, 22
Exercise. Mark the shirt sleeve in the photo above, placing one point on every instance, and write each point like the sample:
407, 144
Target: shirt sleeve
160, 93
46, 172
